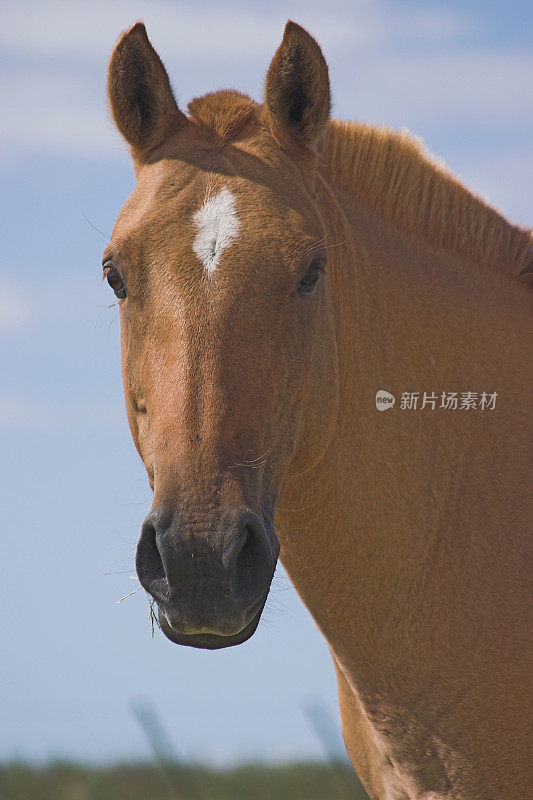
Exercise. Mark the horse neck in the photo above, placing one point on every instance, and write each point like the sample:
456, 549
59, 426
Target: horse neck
405, 499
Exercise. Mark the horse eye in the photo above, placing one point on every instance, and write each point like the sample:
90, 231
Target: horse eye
310, 279
112, 275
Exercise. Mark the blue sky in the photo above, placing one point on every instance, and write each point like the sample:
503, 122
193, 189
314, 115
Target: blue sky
74, 492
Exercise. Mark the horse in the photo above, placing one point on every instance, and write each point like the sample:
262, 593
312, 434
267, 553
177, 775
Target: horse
324, 342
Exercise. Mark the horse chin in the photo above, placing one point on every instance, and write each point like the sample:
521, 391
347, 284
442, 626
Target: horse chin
209, 641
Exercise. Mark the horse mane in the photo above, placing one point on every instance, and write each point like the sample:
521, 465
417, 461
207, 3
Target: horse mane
407, 185
395, 173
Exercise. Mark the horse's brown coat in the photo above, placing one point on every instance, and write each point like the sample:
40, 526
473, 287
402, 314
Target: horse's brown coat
405, 532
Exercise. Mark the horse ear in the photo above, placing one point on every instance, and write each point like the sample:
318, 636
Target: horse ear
297, 92
140, 95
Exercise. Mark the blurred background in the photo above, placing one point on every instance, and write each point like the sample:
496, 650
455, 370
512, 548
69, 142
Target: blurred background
77, 665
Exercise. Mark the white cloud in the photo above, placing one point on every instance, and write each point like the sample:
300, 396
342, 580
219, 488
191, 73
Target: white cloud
16, 310
505, 181
478, 87
20, 413
53, 111
42, 303
202, 30
207, 31
56, 54
24, 413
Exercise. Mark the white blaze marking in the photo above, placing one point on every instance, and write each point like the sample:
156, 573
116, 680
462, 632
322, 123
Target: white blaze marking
218, 226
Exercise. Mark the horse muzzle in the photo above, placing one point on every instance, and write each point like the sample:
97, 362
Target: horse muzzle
210, 580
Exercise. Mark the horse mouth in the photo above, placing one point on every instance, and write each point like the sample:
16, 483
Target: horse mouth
210, 641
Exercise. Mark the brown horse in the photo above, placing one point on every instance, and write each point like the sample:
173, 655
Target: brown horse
281, 278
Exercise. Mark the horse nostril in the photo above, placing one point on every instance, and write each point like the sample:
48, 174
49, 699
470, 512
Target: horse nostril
253, 559
149, 564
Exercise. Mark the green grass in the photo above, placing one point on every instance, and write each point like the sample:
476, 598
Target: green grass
305, 781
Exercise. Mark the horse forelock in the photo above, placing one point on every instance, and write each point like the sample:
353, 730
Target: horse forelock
226, 115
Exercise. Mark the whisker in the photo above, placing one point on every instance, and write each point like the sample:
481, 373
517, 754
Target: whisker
336, 244
114, 318
118, 572
251, 460
105, 235
129, 595
250, 466
154, 619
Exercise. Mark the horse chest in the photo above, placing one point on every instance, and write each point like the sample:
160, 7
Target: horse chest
412, 763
